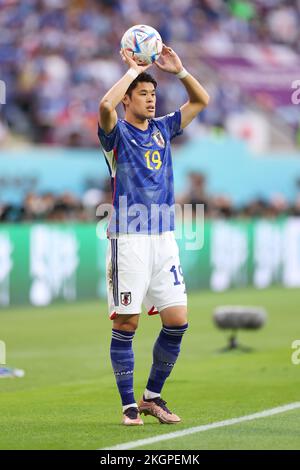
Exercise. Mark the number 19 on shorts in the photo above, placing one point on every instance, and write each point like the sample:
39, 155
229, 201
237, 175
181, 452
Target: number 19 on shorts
178, 279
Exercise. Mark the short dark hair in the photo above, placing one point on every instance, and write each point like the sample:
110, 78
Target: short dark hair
142, 77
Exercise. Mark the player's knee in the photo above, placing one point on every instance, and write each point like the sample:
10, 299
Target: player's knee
174, 316
126, 323
183, 319
183, 323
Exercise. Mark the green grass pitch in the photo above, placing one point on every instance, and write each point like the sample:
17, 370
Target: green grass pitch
68, 398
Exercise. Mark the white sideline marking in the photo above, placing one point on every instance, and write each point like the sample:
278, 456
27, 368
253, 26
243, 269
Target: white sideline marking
205, 427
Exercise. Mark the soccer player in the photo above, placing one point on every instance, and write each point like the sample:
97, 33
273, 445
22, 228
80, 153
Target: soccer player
143, 265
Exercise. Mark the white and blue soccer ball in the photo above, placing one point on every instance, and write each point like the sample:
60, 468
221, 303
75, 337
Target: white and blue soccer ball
143, 43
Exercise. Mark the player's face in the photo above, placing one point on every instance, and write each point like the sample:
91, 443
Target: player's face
142, 101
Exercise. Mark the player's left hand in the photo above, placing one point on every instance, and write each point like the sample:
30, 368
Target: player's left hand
169, 61
131, 63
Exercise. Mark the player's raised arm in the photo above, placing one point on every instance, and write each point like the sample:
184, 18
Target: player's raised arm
198, 96
107, 108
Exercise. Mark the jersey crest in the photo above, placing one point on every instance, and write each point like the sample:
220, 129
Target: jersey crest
158, 139
125, 298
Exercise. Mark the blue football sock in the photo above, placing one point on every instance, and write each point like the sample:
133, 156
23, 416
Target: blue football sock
122, 359
165, 353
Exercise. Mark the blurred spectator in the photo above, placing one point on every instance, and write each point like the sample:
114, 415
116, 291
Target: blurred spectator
196, 193
221, 206
51, 207
59, 57
68, 208
3, 133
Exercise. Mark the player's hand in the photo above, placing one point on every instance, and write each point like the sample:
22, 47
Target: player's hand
131, 63
169, 61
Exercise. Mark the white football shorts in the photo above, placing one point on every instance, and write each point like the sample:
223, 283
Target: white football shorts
143, 269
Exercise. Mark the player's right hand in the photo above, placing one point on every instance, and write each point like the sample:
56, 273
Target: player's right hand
131, 63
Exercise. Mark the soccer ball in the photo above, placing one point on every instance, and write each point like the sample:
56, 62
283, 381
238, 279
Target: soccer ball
143, 43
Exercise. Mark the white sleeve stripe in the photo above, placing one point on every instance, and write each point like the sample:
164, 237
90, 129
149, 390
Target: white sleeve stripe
111, 161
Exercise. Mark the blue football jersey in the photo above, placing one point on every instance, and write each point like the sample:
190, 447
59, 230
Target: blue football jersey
140, 166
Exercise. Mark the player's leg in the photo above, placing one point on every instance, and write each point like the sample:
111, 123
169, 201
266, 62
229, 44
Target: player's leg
168, 295
174, 316
165, 354
126, 322
167, 348
122, 360
125, 287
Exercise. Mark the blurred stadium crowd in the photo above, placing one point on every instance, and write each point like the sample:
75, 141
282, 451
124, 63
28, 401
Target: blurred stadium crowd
58, 57
67, 207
